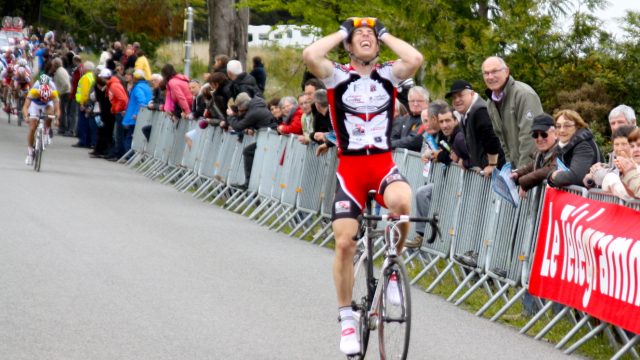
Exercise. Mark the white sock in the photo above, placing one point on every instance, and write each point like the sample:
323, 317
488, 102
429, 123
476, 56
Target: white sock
30, 150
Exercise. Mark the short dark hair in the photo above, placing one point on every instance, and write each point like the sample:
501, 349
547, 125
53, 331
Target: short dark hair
315, 83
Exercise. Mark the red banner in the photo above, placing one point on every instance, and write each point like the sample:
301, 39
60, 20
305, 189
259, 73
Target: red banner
588, 257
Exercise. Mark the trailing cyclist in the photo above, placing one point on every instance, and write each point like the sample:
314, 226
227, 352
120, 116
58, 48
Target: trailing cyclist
43, 96
363, 97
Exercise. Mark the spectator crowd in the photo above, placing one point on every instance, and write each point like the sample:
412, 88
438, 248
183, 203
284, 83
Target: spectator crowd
476, 130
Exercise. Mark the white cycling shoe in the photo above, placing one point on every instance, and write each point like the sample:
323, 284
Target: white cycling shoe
393, 292
349, 342
29, 160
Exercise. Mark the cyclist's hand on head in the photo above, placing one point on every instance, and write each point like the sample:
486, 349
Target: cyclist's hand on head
380, 29
346, 28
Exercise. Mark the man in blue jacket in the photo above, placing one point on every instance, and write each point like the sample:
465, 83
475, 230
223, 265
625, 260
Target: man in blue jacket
139, 96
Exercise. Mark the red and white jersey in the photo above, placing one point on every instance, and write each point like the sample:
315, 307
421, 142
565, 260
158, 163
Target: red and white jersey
362, 108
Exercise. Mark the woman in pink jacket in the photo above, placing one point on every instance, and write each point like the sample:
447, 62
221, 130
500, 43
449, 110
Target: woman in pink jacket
178, 97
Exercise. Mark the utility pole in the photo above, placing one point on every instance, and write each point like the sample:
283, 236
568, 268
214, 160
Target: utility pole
188, 24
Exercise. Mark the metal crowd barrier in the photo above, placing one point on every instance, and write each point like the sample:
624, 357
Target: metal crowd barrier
485, 239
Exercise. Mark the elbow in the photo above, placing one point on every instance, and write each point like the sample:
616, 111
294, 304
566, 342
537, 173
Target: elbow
307, 56
416, 60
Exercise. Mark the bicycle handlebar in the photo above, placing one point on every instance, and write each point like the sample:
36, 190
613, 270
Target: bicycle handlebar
433, 221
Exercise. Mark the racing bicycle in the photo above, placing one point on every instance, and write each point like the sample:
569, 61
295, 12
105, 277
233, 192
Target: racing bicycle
373, 305
40, 141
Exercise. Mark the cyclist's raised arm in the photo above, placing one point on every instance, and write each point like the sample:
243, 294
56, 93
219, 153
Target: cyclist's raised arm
410, 58
315, 55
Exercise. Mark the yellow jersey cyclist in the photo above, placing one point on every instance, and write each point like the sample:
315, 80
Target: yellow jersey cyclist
42, 97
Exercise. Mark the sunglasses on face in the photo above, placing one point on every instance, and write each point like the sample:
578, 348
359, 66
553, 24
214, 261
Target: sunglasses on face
539, 133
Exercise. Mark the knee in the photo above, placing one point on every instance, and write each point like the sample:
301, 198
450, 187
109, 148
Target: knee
345, 246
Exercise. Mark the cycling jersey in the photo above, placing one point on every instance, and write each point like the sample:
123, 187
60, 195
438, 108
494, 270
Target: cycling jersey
361, 112
362, 108
34, 94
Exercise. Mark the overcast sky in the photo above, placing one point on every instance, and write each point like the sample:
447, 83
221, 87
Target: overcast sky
616, 9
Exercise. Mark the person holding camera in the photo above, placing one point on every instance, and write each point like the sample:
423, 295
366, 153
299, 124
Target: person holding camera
628, 167
607, 176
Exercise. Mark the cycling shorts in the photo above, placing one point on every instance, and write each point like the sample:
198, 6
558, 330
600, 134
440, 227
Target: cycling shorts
34, 109
356, 176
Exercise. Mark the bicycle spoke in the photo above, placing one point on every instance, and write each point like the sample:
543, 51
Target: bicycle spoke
395, 314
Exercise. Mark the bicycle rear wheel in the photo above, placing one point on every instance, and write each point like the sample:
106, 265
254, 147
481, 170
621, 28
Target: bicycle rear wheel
19, 110
37, 153
9, 105
395, 313
360, 302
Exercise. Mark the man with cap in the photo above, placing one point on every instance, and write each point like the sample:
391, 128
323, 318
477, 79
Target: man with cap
482, 143
119, 100
362, 96
543, 133
512, 106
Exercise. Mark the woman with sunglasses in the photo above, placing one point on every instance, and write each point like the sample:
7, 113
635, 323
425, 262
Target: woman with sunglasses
577, 150
544, 136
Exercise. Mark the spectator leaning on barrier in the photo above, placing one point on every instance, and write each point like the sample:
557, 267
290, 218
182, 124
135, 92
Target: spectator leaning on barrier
406, 131
241, 81
512, 105
119, 100
630, 168
198, 104
306, 121
292, 123
450, 138
321, 118
252, 115
481, 140
274, 107
177, 102
259, 73
221, 86
85, 85
139, 97
157, 96
577, 150
607, 176
543, 132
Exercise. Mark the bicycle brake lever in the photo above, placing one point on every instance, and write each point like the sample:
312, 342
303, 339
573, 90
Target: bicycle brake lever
435, 230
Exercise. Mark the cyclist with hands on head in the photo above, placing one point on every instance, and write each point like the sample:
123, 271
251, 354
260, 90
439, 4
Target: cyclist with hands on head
43, 96
363, 95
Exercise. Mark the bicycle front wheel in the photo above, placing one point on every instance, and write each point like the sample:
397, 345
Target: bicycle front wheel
361, 302
395, 312
37, 154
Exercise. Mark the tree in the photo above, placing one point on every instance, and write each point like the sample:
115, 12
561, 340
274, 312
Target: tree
228, 30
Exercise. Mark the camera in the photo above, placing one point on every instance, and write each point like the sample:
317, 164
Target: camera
596, 176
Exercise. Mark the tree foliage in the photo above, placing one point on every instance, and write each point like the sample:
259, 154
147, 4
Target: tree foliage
578, 62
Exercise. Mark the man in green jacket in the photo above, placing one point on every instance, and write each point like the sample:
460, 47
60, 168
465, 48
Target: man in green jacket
512, 105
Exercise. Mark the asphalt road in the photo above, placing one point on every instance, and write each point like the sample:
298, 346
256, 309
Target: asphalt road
99, 262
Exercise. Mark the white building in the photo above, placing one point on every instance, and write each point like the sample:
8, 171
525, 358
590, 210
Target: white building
282, 35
